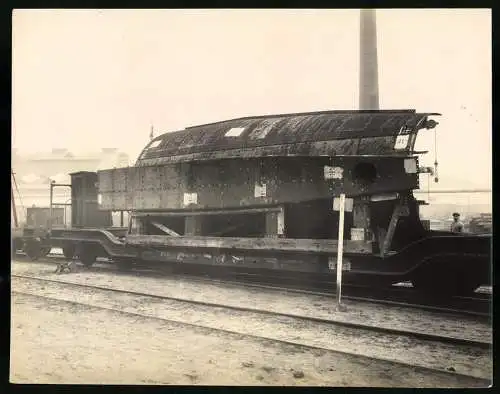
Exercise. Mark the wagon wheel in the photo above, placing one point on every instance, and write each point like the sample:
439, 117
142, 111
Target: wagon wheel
45, 250
69, 251
33, 250
87, 257
14, 246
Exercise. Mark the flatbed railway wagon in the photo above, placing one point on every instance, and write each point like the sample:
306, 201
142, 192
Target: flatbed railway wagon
259, 193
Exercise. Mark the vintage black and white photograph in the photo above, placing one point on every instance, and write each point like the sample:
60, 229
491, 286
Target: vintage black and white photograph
252, 197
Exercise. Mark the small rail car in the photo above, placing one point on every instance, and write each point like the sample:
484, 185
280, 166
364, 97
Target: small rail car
482, 224
40, 216
36, 226
259, 193
34, 237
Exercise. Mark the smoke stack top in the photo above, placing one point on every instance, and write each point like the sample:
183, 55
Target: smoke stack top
368, 61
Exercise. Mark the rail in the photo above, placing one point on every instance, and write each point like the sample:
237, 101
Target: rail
452, 191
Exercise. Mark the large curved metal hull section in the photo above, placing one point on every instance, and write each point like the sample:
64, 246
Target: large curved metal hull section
328, 133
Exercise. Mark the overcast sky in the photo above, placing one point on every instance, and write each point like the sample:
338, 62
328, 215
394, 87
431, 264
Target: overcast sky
91, 79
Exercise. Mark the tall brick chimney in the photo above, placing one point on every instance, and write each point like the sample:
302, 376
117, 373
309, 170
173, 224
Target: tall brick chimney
368, 62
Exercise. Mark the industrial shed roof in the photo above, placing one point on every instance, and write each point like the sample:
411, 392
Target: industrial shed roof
329, 133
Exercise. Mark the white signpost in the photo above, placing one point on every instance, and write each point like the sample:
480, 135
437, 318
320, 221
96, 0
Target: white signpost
340, 252
341, 204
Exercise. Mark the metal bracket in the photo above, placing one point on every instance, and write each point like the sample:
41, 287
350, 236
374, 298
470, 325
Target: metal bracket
53, 184
386, 244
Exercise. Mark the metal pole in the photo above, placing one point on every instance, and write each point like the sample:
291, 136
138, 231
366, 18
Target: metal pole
50, 206
66, 204
121, 218
14, 212
14, 207
340, 251
14, 183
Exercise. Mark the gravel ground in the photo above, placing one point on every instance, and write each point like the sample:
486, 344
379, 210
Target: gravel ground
406, 350
278, 301
59, 342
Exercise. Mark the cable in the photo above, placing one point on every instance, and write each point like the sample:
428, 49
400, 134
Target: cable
19, 194
436, 178
429, 187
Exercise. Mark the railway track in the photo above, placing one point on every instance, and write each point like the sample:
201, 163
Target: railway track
477, 306
423, 350
417, 335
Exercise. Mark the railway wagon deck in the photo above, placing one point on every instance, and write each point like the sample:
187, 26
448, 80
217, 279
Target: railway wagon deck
260, 192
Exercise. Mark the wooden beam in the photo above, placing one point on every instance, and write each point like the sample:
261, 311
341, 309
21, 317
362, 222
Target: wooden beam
392, 228
193, 225
208, 212
380, 236
326, 246
361, 217
361, 213
141, 226
275, 223
165, 229
226, 230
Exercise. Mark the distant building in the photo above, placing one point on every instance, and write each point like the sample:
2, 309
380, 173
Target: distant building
34, 172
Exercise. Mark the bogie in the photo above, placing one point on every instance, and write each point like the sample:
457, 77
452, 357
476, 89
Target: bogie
87, 254
446, 275
45, 250
69, 251
33, 249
